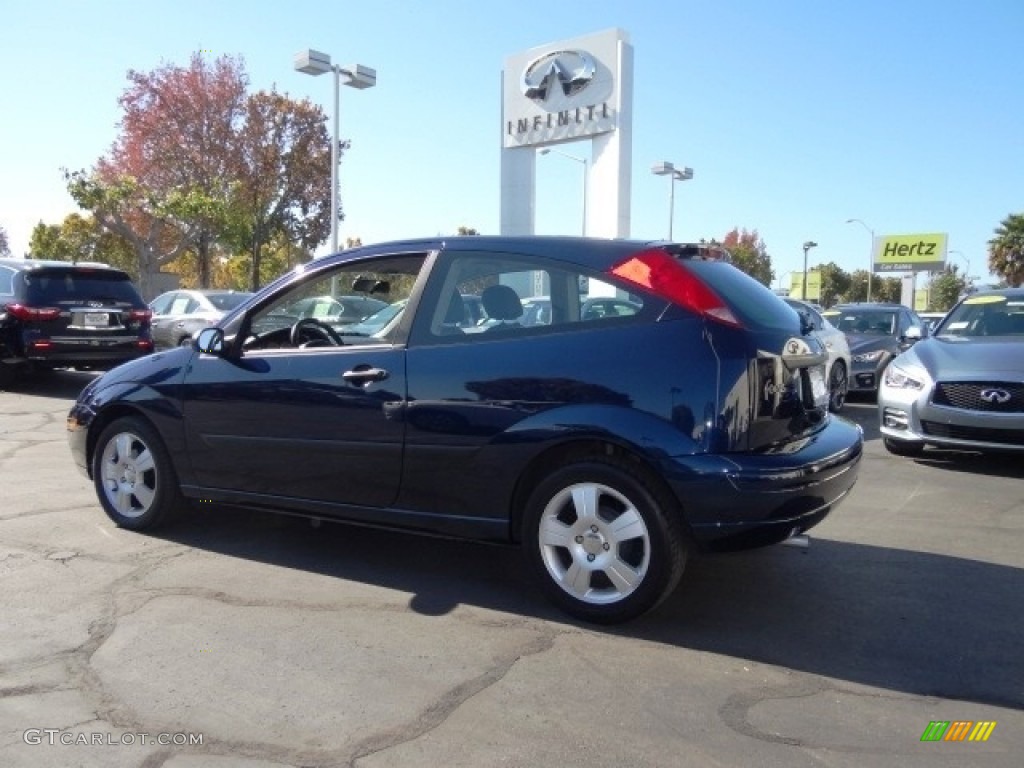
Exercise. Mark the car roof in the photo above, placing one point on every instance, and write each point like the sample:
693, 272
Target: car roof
593, 252
1016, 293
25, 264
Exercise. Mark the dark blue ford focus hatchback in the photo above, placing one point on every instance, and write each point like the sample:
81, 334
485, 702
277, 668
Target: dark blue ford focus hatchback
608, 445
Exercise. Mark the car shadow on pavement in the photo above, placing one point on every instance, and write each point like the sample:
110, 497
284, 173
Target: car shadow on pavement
907, 621
50, 384
974, 463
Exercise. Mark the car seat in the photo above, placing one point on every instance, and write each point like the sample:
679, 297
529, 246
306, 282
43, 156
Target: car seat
502, 303
454, 316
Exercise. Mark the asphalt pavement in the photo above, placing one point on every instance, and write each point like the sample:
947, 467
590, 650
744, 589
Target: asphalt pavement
242, 639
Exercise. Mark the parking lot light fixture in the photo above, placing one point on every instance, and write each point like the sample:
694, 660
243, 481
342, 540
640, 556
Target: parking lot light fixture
357, 76
665, 168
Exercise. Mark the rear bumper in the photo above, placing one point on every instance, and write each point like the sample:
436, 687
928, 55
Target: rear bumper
741, 501
87, 352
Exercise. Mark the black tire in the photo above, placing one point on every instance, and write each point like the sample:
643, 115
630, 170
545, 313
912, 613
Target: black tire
838, 386
134, 479
903, 447
572, 554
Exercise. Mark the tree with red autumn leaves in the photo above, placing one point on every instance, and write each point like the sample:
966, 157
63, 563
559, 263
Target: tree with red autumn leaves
199, 163
750, 254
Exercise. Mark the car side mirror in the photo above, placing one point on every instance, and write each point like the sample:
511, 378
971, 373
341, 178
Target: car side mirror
915, 333
210, 341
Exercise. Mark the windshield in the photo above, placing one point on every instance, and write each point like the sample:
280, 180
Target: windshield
871, 322
985, 316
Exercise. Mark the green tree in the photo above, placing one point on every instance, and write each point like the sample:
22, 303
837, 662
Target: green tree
159, 227
5, 248
858, 286
1006, 250
946, 287
750, 254
887, 289
835, 284
82, 238
465, 231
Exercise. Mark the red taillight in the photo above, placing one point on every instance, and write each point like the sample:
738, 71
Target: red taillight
657, 271
144, 344
41, 345
33, 314
140, 314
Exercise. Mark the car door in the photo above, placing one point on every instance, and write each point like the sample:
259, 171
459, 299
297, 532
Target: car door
314, 424
310, 424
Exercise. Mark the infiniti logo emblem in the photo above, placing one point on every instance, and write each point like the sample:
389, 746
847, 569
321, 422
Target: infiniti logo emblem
999, 396
571, 70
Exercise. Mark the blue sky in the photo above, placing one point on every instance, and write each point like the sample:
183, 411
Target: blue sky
795, 115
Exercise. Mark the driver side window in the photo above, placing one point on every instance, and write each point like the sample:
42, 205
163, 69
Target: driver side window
336, 307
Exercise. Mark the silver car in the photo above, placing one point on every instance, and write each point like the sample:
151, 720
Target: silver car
963, 387
837, 369
179, 314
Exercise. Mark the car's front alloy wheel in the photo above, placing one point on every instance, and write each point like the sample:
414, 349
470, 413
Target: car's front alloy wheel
133, 475
838, 384
605, 545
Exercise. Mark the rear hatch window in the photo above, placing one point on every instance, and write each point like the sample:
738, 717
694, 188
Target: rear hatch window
62, 287
750, 301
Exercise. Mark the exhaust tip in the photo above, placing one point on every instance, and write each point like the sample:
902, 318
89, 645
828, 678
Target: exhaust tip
798, 540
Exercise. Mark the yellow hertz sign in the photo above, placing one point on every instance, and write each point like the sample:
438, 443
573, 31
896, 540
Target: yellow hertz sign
796, 285
910, 253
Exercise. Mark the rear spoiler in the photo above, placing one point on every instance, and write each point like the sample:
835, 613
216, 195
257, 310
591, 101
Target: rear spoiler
699, 251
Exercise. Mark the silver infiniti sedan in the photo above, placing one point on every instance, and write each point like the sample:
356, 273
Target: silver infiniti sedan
962, 387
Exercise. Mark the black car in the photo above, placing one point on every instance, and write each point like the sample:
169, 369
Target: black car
607, 446
63, 314
876, 333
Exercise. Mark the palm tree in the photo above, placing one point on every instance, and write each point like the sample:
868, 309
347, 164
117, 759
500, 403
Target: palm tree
1006, 250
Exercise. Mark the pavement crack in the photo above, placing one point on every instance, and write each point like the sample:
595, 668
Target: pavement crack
440, 710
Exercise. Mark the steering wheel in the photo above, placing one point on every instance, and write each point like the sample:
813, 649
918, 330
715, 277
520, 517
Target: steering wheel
315, 328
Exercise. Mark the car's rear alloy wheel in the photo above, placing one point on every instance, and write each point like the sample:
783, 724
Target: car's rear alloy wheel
903, 447
838, 384
133, 475
602, 542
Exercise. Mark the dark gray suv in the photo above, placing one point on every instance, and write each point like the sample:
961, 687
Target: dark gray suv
58, 314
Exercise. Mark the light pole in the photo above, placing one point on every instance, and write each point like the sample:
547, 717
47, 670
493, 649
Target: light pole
313, 62
666, 168
807, 246
583, 160
967, 274
871, 253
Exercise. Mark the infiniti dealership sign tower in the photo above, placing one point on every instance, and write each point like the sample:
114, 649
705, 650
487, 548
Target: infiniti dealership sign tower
561, 92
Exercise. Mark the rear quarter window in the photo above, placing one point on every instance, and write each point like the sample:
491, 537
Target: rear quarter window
751, 301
